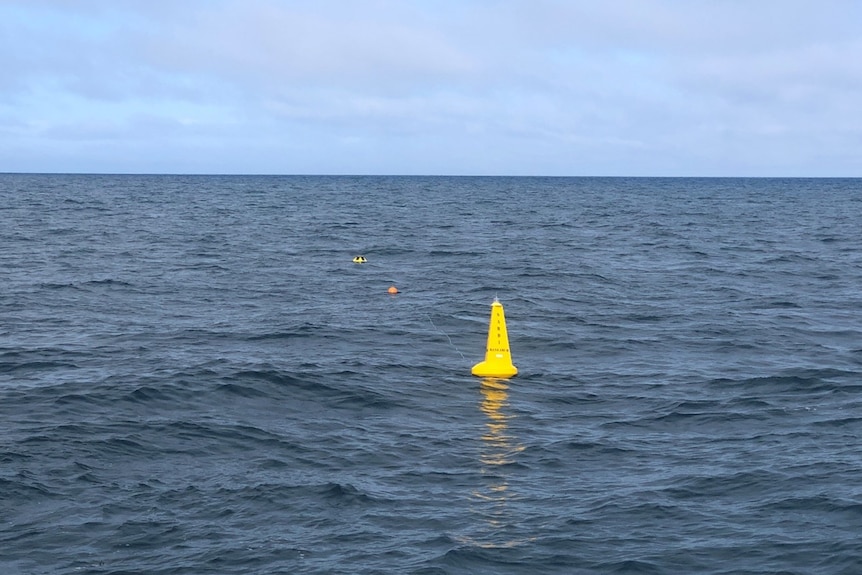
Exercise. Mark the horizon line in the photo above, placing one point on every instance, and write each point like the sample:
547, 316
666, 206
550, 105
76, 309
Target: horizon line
348, 175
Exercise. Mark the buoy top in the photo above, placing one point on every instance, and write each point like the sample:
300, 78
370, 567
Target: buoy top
359, 260
392, 290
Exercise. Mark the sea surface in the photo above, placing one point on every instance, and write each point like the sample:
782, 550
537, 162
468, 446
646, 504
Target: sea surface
195, 378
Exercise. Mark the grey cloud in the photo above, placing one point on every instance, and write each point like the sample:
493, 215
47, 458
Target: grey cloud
640, 86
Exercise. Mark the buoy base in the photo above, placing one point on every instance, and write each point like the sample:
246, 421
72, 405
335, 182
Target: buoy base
494, 369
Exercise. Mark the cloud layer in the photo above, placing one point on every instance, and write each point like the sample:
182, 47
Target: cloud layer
555, 87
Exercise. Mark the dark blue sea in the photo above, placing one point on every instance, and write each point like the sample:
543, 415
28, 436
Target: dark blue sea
195, 378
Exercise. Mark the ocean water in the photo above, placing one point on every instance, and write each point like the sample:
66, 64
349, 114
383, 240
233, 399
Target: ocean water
196, 378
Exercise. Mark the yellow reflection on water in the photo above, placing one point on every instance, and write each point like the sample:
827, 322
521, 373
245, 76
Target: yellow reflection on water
499, 449
497, 443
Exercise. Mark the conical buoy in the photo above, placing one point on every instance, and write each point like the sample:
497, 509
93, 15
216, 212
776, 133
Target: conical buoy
498, 359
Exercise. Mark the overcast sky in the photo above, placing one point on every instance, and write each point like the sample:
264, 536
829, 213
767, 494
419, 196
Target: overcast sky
496, 87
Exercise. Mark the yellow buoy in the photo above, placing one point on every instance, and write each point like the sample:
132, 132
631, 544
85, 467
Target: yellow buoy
392, 290
498, 359
359, 260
